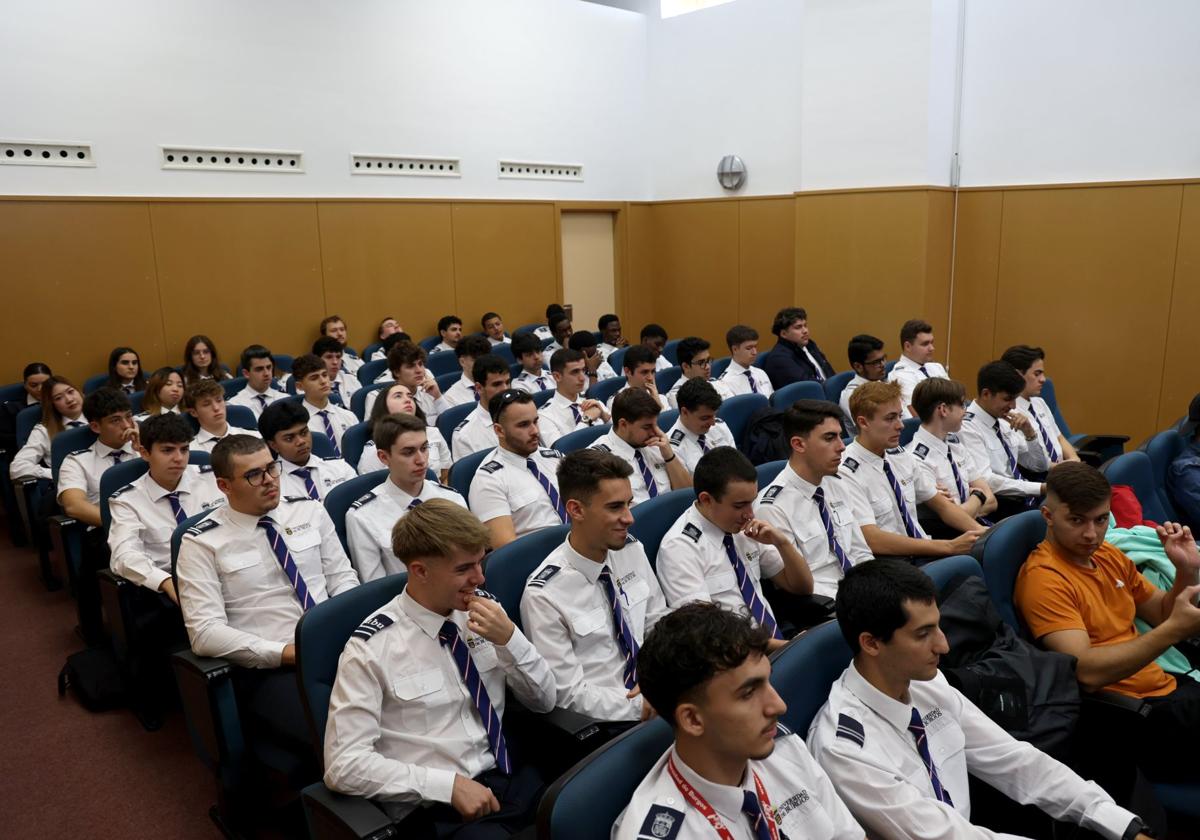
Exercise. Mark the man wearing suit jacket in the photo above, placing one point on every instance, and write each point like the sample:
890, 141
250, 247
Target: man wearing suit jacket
795, 357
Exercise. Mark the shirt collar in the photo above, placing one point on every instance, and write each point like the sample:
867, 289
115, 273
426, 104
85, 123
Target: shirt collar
388, 488
725, 799
588, 568
706, 526
893, 711
104, 450
559, 399
790, 476
312, 409
204, 436
931, 440
467, 382
736, 368
482, 415
862, 454
429, 622
618, 445
905, 363
1024, 404
504, 455
313, 464
244, 521
157, 492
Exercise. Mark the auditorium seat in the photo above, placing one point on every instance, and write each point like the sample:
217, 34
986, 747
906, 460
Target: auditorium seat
232, 386
353, 441
737, 411
451, 417
94, 383
603, 390
540, 398
443, 361
370, 371
782, 399
445, 380
667, 419
615, 358
1162, 450
358, 400
768, 471
719, 366
670, 351
911, 424
581, 438
665, 380
837, 383
463, 470
654, 517
338, 500
427, 344
1136, 470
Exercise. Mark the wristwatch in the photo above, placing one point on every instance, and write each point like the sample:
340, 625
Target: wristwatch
978, 494
1135, 828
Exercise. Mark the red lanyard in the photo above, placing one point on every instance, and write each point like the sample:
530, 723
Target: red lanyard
701, 804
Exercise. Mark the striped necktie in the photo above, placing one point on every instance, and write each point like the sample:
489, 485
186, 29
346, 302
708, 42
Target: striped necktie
117, 455
451, 640
750, 378
1051, 448
827, 521
329, 432
262, 400
576, 413
703, 444
958, 482
335, 394
760, 611
413, 503
917, 728
910, 526
556, 501
75, 424
309, 485
1013, 469
647, 476
541, 381
624, 636
287, 563
176, 508
924, 372
753, 809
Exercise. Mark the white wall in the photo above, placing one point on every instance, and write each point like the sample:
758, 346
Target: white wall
540, 80
1081, 90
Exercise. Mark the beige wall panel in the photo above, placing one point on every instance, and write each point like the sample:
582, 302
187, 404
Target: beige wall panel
696, 290
976, 269
766, 265
506, 260
239, 272
1078, 269
1181, 371
939, 249
589, 265
82, 274
641, 276
385, 258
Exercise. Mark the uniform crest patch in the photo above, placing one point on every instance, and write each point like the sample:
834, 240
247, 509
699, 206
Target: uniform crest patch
483, 593
202, 526
921, 450
691, 531
362, 500
544, 575
205, 469
851, 730
662, 823
297, 499
677, 437
603, 447
850, 464
372, 626
492, 466
772, 492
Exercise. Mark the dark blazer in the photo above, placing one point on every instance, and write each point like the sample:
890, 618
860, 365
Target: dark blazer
787, 363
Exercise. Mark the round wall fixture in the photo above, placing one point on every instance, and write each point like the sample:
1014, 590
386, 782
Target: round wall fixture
731, 172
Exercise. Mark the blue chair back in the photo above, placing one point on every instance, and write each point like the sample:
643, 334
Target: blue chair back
339, 499
15, 391
180, 530
837, 383
788, 394
94, 383
540, 398
546, 342
126, 472
1051, 399
443, 361
370, 371
27, 418
135, 401
615, 358
667, 419
585, 801
911, 424
603, 390
654, 517
504, 351
1001, 552
803, 671
736, 412
508, 567
358, 400
353, 441
1162, 449
321, 635
445, 380
887, 368
671, 351
1136, 470
321, 447
526, 328
463, 471
761, 359
289, 387
429, 343
370, 349
665, 380
719, 366
450, 418
66, 442
768, 471
581, 438
232, 386
241, 416
948, 568
283, 363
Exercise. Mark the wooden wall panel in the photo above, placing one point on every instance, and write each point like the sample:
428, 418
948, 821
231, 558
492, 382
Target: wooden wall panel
505, 259
640, 283
388, 258
939, 250
1086, 273
696, 288
1181, 372
976, 273
239, 272
766, 264
82, 274
862, 263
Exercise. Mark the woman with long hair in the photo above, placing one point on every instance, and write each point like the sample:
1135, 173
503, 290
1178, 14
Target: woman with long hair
396, 398
125, 370
200, 361
62, 408
163, 393
33, 377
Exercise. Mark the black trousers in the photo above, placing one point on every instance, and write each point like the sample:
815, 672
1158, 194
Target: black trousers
1170, 740
271, 711
517, 794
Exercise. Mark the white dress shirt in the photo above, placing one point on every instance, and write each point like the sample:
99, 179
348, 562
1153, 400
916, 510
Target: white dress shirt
326, 473
662, 401
933, 457
428, 405
980, 433
504, 486
909, 374
206, 441
370, 520
662, 363
344, 385
613, 443
543, 332
139, 538
605, 349
81, 470
687, 445
737, 382
439, 454
401, 722
442, 347
873, 499
1042, 418
340, 418
851, 387
497, 342
475, 433
351, 363
461, 392
237, 601
556, 418
694, 566
33, 459
673, 394
569, 619
861, 739
787, 504
533, 383
254, 400
799, 792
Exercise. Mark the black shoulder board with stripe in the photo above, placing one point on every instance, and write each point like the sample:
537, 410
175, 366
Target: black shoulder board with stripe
921, 450
492, 466
119, 491
205, 468
952, 437
331, 458
297, 499
851, 730
899, 450
781, 730
630, 539
970, 415
362, 500
772, 491
677, 437
550, 453
461, 425
202, 526
372, 626
850, 464
691, 531
544, 575
79, 451
603, 447
447, 487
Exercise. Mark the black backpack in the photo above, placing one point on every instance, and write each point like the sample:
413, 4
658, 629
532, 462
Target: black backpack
93, 675
1031, 693
764, 441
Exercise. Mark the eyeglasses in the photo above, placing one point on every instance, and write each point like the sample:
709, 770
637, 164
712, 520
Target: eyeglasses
256, 478
702, 362
880, 362
504, 399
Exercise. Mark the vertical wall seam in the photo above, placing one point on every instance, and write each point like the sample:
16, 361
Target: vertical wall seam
162, 311
453, 262
996, 284
321, 259
1162, 377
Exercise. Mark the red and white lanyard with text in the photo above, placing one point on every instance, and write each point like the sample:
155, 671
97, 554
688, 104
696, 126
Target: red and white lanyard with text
701, 804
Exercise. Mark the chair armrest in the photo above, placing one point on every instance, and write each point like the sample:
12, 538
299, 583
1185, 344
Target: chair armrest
1100, 444
206, 691
111, 586
1114, 701
334, 816
61, 520
578, 726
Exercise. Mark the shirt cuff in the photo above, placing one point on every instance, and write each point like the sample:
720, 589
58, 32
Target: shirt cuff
271, 654
1031, 488
155, 577
1109, 819
518, 647
439, 786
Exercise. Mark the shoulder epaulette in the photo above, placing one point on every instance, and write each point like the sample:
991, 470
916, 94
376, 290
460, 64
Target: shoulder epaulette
205, 469
544, 575
662, 823
952, 438
79, 451
970, 415
550, 453
331, 458
372, 626
781, 730
677, 437
692, 532
772, 491
921, 450
119, 491
297, 499
630, 539
447, 487
492, 466
202, 526
362, 500
603, 447
483, 593
461, 425
899, 450
851, 730
850, 464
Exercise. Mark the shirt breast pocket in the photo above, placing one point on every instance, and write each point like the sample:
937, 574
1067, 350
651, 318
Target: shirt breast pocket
590, 623
806, 817
238, 562
418, 697
721, 580
157, 537
637, 593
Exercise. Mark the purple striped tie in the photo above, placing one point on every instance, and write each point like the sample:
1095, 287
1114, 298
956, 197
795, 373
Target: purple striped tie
917, 728
451, 640
287, 563
625, 640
